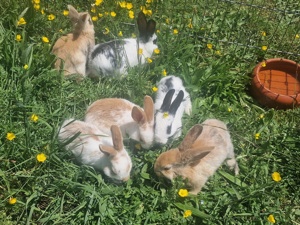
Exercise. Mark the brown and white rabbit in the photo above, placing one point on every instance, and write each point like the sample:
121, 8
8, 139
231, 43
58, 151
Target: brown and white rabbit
73, 50
93, 148
200, 154
135, 122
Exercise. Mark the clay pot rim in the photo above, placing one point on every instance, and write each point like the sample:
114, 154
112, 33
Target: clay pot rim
258, 67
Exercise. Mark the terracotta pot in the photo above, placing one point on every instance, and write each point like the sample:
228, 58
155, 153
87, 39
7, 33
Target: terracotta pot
276, 83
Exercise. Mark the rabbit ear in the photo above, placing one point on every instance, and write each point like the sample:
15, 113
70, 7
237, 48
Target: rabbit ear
151, 27
117, 137
193, 156
176, 103
73, 14
107, 150
167, 100
142, 24
138, 115
191, 137
149, 108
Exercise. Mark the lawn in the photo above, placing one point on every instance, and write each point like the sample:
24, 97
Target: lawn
213, 47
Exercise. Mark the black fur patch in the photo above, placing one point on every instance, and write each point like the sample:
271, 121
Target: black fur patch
169, 128
169, 83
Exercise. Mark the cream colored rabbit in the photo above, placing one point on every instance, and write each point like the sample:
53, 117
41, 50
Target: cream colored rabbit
74, 49
201, 153
93, 148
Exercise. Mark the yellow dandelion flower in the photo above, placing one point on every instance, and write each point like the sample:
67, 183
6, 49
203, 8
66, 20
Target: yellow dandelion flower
120, 34
148, 12
183, 192
264, 48
263, 33
100, 15
42, 12
190, 24
98, 2
18, 37
271, 219
10, 136
264, 64
51, 17
34, 118
187, 213
167, 21
129, 6
45, 39
93, 9
149, 1
276, 176
297, 36
113, 14
65, 12
138, 146
140, 51
218, 52
37, 6
41, 157
261, 116
157, 31
149, 60
154, 89
257, 136
94, 18
209, 46
106, 13
25, 67
175, 31
164, 72
106, 30
21, 21
229, 109
12, 201
122, 4
36, 1
165, 115
156, 51
131, 14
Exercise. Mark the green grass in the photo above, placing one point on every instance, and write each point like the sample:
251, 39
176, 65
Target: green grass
59, 191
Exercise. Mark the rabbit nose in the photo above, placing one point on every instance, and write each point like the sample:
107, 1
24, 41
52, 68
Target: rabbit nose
125, 179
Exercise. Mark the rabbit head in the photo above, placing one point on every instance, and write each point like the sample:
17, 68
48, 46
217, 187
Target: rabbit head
119, 165
145, 120
167, 123
82, 22
181, 161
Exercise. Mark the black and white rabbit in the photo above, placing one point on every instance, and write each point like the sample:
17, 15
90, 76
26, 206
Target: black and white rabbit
172, 100
92, 147
113, 58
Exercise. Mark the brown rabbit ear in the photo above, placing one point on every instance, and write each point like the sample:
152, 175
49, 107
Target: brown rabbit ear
117, 137
138, 115
190, 137
73, 14
107, 150
149, 108
193, 156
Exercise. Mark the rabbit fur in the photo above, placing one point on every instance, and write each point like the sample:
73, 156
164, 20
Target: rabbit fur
200, 154
114, 57
135, 122
94, 148
73, 50
171, 102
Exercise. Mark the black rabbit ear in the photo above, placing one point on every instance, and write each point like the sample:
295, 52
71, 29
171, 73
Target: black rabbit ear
176, 103
167, 101
151, 27
142, 24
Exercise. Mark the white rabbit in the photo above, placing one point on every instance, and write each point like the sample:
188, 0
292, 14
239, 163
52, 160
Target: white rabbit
115, 57
200, 154
93, 148
133, 121
73, 50
172, 100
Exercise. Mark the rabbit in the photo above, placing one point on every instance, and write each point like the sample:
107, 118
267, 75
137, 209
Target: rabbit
171, 101
74, 48
113, 58
133, 121
199, 155
94, 148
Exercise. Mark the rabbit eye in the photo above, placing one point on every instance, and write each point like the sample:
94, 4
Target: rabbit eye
154, 41
167, 168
